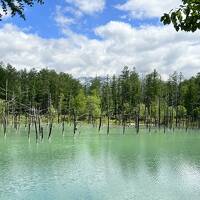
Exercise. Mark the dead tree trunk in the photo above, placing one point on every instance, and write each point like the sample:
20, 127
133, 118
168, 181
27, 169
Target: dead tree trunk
63, 125
35, 123
138, 120
29, 129
50, 129
4, 126
41, 133
15, 122
100, 122
186, 122
39, 124
159, 114
108, 125
124, 124
36, 130
164, 121
75, 122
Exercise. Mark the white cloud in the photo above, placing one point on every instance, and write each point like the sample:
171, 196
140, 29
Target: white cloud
61, 19
72, 12
148, 8
120, 44
88, 6
4, 15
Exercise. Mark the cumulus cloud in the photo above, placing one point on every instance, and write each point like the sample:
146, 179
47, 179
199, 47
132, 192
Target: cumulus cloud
73, 10
88, 6
120, 44
148, 8
61, 19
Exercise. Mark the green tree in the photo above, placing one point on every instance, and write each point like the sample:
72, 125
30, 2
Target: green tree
125, 89
95, 85
181, 112
151, 88
135, 88
2, 107
114, 97
17, 6
197, 112
94, 105
52, 113
186, 17
80, 103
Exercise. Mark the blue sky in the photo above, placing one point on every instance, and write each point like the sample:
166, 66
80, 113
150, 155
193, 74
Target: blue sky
89, 38
41, 19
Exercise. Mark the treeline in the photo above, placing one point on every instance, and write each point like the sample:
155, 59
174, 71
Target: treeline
126, 99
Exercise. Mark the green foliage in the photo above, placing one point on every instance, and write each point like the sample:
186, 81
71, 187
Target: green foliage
185, 18
95, 85
181, 111
52, 113
61, 104
126, 94
17, 6
154, 109
80, 102
191, 94
197, 112
34, 88
171, 111
94, 104
2, 107
127, 108
142, 110
152, 88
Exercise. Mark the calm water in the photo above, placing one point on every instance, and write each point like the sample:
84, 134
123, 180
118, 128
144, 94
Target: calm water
97, 167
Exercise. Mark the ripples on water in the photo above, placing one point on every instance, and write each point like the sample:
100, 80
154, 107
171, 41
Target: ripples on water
88, 166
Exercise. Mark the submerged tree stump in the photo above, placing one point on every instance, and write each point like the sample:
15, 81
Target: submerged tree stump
100, 123
108, 125
63, 126
50, 130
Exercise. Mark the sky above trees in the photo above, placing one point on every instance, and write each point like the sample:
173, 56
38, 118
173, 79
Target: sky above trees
89, 38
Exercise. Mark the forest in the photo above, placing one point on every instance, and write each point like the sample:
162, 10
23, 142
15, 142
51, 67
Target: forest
126, 99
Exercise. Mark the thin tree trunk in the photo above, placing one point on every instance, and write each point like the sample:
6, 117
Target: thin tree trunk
41, 133
75, 123
4, 126
29, 129
50, 130
159, 115
36, 130
100, 122
63, 126
124, 124
108, 125
138, 120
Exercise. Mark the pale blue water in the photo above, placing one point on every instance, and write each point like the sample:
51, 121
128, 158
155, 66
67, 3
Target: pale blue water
90, 166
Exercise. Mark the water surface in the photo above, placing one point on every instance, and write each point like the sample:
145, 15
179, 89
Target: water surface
88, 166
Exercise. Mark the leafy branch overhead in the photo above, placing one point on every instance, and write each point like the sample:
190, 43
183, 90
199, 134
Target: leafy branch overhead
16, 7
185, 18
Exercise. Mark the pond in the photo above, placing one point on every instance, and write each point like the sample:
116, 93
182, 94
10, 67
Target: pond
92, 166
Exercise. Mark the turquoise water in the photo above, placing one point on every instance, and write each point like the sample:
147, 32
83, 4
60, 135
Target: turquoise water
90, 166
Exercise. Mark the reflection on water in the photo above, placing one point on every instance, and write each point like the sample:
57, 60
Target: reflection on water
92, 166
